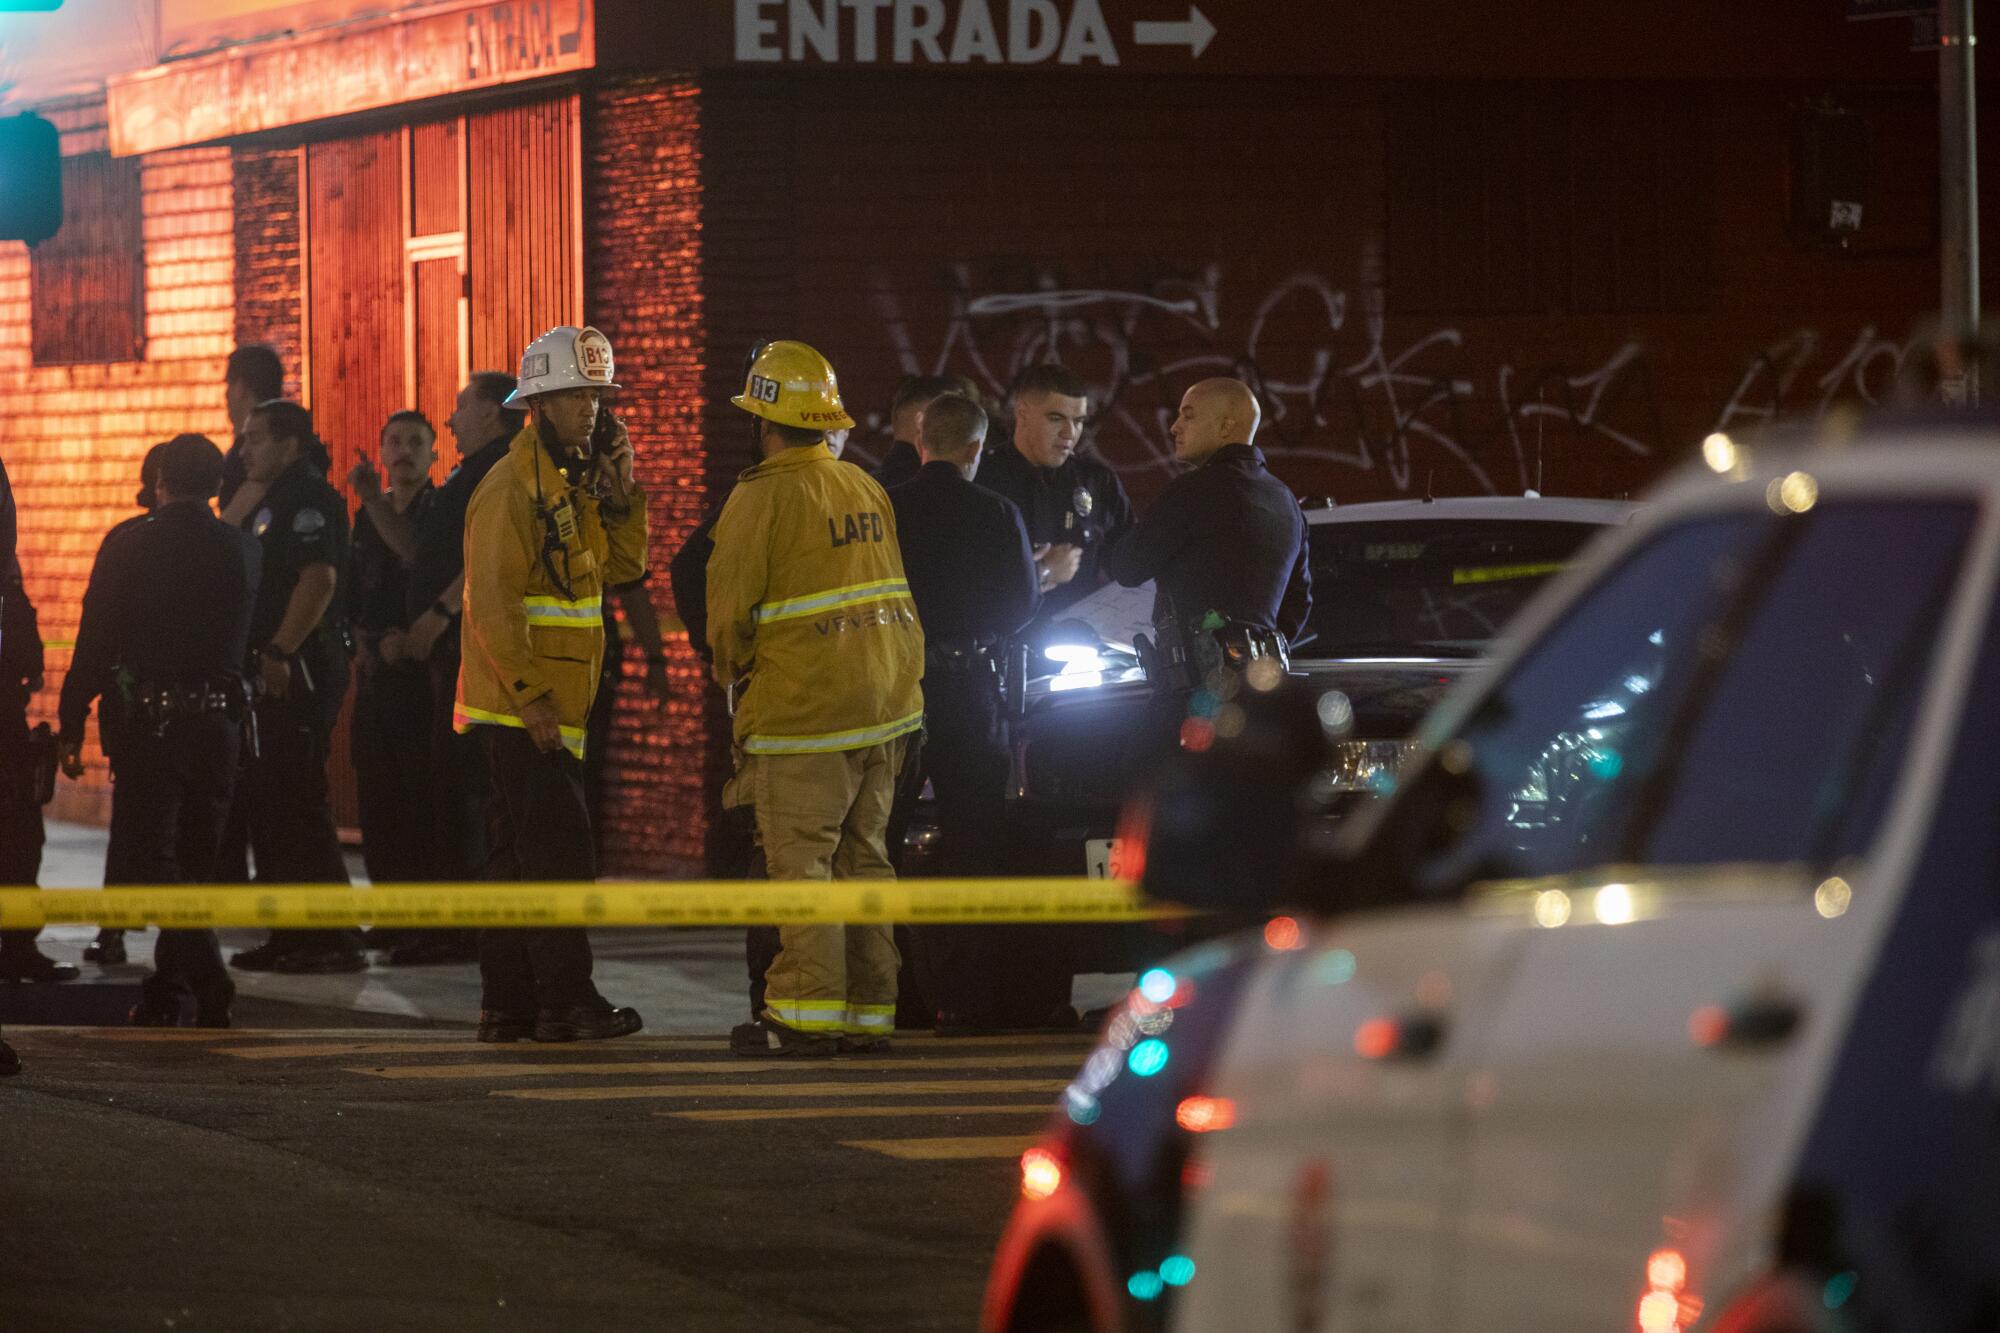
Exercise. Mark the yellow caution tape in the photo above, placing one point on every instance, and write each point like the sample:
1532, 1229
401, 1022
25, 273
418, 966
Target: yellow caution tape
741, 902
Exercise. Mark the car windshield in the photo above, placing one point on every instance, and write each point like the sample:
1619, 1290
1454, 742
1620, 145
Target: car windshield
1427, 587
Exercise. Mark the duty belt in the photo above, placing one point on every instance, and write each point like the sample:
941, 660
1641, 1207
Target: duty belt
957, 658
157, 704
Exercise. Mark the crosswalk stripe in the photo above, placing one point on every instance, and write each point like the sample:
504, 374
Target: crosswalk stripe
455, 1043
939, 1087
739, 1065
168, 1034
327, 1049
734, 1114
946, 1149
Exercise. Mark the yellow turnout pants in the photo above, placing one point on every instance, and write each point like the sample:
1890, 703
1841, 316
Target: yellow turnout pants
824, 816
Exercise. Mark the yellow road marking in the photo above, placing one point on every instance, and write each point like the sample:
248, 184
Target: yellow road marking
939, 1087
732, 1114
156, 1035
999, 1039
522, 1069
946, 1150
353, 1048
1066, 1049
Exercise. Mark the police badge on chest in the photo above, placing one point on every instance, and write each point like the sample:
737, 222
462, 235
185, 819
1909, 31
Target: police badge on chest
1081, 502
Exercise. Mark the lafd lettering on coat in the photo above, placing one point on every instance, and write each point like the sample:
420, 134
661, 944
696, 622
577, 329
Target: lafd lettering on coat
862, 527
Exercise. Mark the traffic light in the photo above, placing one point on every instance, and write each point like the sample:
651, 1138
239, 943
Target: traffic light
30, 179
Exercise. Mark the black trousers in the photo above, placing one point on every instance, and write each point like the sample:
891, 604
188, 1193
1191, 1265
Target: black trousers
170, 799
597, 737
285, 809
460, 786
391, 738
538, 829
996, 975
21, 832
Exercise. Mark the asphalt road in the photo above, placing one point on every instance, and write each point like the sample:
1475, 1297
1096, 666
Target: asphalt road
407, 1177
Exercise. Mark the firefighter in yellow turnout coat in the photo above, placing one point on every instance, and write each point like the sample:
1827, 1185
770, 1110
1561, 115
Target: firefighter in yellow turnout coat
817, 640
555, 521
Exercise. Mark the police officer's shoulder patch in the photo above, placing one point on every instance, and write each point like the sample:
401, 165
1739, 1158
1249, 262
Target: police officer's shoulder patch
262, 523
308, 521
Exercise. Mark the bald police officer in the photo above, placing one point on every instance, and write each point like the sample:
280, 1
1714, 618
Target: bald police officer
1225, 543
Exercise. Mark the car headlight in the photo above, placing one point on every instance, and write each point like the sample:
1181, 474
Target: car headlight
1365, 767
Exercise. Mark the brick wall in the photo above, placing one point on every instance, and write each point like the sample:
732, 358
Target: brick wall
268, 300
73, 436
644, 192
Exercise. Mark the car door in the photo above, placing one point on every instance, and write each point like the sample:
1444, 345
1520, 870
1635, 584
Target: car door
1365, 1021
1328, 1204
1678, 811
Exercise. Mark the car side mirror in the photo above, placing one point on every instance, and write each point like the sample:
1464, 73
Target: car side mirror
1222, 820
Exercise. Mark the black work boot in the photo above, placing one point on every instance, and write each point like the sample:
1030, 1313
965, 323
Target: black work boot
32, 965
496, 1025
108, 948
586, 1022
260, 959
212, 999
767, 1037
10, 1063
159, 1004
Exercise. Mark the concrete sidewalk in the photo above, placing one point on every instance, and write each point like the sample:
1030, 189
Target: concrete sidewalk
678, 980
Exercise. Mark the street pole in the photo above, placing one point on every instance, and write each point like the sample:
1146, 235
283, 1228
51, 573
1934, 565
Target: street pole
1958, 142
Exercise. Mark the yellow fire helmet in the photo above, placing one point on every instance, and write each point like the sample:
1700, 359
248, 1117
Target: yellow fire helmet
792, 385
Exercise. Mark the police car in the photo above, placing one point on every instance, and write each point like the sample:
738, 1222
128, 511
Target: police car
1406, 596
1662, 994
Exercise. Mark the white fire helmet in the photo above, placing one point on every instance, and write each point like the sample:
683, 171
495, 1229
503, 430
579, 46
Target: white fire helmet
566, 357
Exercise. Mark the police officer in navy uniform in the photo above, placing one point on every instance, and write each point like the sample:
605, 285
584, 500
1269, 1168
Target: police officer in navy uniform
109, 946
391, 720
906, 409
973, 577
21, 835
299, 664
1073, 503
10, 578
253, 375
483, 427
165, 632
1225, 543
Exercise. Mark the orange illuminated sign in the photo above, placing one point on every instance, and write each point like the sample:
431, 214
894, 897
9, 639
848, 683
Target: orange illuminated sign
389, 61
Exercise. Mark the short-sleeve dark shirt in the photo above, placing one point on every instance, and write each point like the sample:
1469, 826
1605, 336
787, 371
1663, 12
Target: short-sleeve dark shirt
1226, 537
169, 601
301, 522
377, 579
440, 520
1081, 504
965, 553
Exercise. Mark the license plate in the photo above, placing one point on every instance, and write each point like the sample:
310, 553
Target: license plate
1100, 855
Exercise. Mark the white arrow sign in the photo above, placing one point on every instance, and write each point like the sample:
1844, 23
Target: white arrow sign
1193, 34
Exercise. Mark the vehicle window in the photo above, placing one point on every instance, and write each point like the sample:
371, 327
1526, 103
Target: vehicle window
1793, 752
1429, 586
1737, 690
